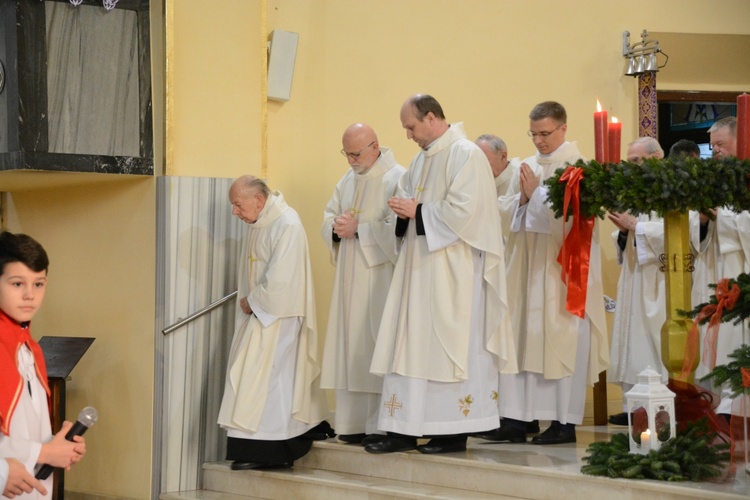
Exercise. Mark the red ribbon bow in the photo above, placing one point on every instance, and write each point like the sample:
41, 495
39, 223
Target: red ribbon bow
575, 253
726, 298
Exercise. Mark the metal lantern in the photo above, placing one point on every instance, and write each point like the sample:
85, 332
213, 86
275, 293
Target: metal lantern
658, 402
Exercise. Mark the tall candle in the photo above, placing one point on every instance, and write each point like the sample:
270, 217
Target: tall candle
646, 440
600, 134
743, 127
614, 133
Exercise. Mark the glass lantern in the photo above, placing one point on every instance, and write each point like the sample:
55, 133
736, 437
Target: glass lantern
658, 402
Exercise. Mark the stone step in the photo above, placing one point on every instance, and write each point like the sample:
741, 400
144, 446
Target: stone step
485, 470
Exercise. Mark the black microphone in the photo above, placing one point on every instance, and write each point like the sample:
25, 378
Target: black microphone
86, 419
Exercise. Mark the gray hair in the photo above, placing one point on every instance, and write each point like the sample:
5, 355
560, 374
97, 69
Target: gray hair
250, 183
729, 121
650, 144
494, 141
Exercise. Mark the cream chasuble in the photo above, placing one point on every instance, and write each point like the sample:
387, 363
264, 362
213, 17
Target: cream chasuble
724, 253
276, 278
446, 324
364, 267
546, 333
558, 352
641, 303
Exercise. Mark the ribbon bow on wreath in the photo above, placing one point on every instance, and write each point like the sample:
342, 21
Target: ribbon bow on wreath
726, 299
575, 252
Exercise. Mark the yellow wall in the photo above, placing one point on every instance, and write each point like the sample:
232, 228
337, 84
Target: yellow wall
100, 241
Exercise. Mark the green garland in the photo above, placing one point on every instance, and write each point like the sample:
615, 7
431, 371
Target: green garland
730, 372
689, 456
659, 185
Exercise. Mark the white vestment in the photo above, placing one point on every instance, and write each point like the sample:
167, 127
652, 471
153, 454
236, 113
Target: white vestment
364, 267
445, 327
30, 425
272, 387
504, 183
724, 253
641, 304
558, 352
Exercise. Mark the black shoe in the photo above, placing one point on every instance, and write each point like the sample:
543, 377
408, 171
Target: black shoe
504, 433
443, 445
619, 419
556, 434
237, 465
532, 427
391, 444
320, 432
372, 438
351, 438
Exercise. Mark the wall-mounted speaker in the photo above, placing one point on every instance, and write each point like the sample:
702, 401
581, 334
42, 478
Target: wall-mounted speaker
282, 51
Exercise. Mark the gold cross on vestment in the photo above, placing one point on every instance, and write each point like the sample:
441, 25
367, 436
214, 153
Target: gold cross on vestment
392, 405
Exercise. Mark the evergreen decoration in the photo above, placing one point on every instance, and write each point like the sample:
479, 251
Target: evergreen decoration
690, 456
732, 371
740, 311
658, 185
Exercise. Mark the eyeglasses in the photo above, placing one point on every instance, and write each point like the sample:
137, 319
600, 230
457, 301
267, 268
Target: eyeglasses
543, 135
354, 156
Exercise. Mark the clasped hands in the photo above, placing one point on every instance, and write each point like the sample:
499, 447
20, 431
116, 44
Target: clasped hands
529, 183
623, 220
345, 225
405, 208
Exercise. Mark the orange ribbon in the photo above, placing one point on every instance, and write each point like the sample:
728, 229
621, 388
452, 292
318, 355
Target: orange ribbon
575, 252
726, 298
745, 377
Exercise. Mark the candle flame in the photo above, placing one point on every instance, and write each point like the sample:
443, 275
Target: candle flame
614, 119
598, 106
648, 432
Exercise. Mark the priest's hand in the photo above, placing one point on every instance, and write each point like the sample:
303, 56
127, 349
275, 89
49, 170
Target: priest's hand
20, 481
245, 306
60, 452
704, 218
624, 221
406, 208
345, 225
529, 183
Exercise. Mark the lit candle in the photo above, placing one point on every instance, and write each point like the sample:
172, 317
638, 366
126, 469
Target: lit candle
743, 127
646, 440
614, 133
600, 134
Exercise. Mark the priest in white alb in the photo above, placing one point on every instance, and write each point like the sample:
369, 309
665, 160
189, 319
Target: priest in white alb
273, 406
723, 252
445, 331
359, 231
641, 301
559, 351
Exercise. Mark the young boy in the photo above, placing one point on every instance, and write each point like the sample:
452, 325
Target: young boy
25, 432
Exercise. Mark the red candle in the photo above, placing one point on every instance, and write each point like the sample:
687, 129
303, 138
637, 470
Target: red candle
743, 127
614, 133
600, 134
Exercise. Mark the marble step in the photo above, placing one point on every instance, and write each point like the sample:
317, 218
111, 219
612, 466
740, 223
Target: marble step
485, 470
316, 484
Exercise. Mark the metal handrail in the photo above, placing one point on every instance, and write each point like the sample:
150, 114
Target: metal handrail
197, 314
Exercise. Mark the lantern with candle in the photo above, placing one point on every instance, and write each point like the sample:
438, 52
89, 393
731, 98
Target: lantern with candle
658, 402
